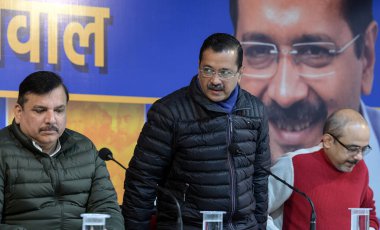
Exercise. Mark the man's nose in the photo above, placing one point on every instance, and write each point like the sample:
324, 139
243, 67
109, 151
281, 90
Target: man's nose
50, 117
215, 79
287, 86
359, 156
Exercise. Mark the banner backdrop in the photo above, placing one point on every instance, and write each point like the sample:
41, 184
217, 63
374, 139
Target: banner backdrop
115, 56
124, 48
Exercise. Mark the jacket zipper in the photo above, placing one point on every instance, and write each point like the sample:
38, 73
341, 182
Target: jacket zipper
232, 171
56, 183
55, 175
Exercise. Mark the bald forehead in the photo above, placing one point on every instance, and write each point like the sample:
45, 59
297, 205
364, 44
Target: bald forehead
356, 130
349, 115
340, 121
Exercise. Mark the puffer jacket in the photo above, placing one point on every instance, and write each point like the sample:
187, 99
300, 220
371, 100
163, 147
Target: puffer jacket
185, 147
42, 192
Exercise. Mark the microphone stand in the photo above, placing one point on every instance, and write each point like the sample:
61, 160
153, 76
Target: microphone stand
170, 194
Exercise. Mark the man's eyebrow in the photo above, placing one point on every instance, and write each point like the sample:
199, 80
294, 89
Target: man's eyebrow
60, 107
257, 37
45, 107
39, 107
312, 38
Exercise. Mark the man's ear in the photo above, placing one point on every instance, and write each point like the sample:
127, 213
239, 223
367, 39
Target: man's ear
327, 140
368, 57
17, 110
241, 71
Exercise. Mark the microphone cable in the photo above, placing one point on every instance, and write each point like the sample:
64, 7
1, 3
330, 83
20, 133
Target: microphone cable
106, 155
313, 217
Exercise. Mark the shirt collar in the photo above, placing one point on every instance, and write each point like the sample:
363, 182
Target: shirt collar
57, 148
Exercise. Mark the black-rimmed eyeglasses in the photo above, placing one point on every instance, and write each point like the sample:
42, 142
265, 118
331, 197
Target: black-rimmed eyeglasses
353, 150
223, 74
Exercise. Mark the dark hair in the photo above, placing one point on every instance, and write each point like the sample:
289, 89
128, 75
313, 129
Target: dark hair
40, 83
219, 42
357, 13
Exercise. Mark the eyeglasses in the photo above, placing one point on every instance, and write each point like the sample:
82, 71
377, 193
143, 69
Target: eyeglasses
312, 59
353, 150
223, 74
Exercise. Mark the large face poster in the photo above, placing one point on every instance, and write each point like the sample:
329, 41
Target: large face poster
116, 57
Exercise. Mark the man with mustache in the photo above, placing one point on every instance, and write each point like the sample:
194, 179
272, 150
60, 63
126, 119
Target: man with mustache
50, 175
332, 174
305, 60
185, 148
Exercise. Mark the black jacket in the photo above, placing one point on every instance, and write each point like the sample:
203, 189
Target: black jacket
42, 192
185, 146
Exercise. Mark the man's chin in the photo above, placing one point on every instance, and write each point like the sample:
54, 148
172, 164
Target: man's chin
346, 168
216, 96
49, 133
48, 139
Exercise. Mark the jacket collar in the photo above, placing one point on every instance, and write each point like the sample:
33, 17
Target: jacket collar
27, 142
199, 97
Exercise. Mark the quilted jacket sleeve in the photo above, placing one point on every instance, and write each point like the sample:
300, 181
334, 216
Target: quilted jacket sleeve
2, 185
151, 157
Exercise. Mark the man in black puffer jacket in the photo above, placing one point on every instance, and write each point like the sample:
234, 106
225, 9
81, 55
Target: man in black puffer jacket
189, 146
50, 175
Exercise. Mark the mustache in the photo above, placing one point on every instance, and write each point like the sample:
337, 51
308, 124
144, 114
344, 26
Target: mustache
354, 162
298, 116
49, 128
218, 87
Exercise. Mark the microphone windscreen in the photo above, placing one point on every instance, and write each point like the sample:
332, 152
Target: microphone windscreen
105, 154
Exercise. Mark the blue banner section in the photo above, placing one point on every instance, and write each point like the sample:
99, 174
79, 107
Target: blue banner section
123, 48
2, 112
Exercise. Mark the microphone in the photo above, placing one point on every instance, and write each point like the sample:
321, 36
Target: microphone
106, 155
313, 217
